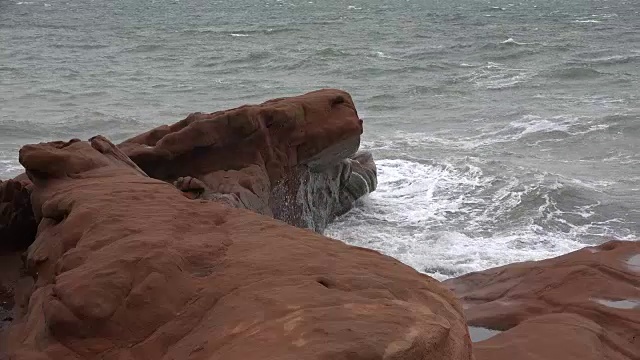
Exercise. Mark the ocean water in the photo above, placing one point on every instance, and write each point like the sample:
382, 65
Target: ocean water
504, 130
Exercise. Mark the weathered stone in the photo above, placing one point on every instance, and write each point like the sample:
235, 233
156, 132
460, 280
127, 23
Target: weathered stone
291, 158
127, 267
595, 291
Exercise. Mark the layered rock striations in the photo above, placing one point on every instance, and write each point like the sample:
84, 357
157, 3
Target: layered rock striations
583, 305
293, 158
127, 267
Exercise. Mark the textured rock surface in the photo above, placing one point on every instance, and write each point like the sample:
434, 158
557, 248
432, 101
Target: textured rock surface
291, 158
562, 336
127, 267
17, 226
595, 293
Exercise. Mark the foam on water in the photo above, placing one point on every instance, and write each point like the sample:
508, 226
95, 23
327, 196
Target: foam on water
497, 76
438, 219
527, 126
9, 168
511, 41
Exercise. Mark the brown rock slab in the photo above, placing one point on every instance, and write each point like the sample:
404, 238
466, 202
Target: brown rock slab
562, 336
593, 293
127, 267
292, 158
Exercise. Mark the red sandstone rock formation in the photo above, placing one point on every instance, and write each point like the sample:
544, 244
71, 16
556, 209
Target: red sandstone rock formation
593, 294
126, 267
291, 158
563, 336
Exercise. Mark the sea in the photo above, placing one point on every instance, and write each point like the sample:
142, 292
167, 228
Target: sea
503, 130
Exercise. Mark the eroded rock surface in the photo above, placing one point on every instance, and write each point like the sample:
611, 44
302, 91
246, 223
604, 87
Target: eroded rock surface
127, 267
563, 336
292, 158
583, 303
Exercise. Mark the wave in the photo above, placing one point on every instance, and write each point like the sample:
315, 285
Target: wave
143, 48
10, 168
575, 73
609, 60
529, 128
539, 127
380, 54
497, 76
449, 219
331, 52
83, 125
588, 21
80, 46
510, 41
240, 32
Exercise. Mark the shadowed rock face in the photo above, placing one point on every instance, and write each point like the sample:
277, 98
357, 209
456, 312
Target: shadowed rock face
583, 305
292, 158
17, 226
127, 267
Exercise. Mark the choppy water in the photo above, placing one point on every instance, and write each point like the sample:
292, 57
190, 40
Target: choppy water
504, 130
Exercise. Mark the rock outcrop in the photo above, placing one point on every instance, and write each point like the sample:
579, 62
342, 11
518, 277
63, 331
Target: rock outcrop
583, 305
291, 158
127, 267
563, 336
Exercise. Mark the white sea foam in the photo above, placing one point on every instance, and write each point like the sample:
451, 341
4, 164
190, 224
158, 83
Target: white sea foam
588, 21
380, 54
529, 125
496, 76
239, 35
526, 125
439, 219
511, 41
9, 168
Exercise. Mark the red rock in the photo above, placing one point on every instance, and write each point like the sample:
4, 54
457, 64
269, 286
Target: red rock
127, 267
564, 336
291, 158
597, 285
